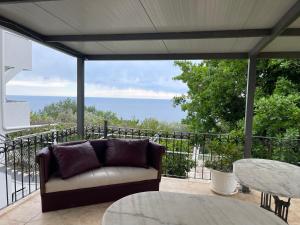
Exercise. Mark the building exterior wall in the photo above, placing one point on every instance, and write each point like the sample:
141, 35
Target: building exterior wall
15, 56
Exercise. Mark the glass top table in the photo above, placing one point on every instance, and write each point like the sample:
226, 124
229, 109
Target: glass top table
271, 178
155, 208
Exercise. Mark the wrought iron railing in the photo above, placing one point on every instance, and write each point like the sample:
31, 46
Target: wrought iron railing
19, 175
281, 149
185, 157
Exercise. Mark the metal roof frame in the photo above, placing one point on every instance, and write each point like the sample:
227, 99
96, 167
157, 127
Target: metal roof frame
171, 35
280, 29
291, 15
35, 36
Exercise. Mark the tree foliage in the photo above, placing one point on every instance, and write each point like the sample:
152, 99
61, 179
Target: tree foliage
64, 113
216, 93
279, 113
215, 101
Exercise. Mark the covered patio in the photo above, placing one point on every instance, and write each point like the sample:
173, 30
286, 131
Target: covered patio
160, 30
154, 30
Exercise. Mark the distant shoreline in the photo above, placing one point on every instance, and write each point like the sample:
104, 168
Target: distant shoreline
74, 97
126, 108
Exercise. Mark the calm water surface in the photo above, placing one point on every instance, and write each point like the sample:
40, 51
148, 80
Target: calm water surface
162, 110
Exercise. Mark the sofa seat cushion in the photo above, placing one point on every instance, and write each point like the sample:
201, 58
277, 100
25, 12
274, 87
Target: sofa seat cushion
101, 177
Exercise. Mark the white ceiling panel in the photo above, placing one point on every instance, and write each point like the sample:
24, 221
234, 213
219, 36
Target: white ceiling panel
244, 44
211, 45
35, 18
135, 47
296, 24
101, 16
188, 15
88, 47
138, 16
284, 44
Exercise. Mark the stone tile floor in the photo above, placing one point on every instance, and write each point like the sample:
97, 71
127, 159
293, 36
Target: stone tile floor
28, 210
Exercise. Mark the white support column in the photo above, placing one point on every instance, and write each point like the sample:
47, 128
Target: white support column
80, 96
251, 85
2, 82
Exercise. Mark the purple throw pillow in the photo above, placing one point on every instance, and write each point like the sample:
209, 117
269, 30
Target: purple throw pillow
126, 153
75, 159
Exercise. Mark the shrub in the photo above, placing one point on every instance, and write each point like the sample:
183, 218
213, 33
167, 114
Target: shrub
226, 153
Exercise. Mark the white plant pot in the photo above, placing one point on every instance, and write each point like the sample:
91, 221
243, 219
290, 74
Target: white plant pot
223, 183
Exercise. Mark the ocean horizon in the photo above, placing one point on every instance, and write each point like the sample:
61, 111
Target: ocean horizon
126, 108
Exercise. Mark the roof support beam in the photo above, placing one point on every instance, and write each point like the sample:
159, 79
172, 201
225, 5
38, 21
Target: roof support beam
279, 55
31, 34
291, 32
169, 56
162, 35
171, 35
186, 56
23, 1
291, 15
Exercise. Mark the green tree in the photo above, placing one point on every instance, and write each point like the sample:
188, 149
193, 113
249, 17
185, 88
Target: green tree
270, 70
279, 114
215, 100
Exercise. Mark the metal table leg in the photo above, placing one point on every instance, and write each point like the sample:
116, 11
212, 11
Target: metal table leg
281, 207
265, 201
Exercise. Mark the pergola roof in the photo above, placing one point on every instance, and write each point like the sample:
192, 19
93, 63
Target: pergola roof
159, 29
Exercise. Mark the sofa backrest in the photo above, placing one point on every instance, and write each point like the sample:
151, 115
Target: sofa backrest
100, 146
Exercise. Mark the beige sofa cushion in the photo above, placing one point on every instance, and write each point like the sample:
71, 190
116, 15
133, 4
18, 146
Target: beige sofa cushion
101, 177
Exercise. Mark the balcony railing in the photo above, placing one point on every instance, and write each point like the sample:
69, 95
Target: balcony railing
185, 157
281, 149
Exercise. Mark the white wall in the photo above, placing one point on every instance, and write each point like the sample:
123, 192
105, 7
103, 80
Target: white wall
16, 114
17, 51
15, 56
3, 200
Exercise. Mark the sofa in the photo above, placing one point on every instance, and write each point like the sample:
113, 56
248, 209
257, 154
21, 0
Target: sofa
103, 184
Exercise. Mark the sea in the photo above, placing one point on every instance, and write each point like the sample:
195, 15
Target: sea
126, 108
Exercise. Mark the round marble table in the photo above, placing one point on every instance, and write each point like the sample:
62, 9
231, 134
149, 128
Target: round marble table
156, 208
271, 178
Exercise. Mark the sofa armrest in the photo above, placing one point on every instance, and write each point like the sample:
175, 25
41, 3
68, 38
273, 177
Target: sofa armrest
43, 158
156, 152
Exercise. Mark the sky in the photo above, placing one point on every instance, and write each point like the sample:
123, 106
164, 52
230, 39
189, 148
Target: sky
54, 74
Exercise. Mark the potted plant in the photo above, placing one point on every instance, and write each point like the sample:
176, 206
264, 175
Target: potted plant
223, 154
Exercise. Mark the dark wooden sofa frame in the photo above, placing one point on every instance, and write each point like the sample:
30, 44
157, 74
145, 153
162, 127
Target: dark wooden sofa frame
86, 196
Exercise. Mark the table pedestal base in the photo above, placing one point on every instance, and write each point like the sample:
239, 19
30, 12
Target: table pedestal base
281, 207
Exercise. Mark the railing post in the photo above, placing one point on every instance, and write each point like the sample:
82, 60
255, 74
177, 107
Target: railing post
105, 131
6, 171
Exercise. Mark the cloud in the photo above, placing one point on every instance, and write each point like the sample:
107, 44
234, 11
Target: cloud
41, 87
38, 83
113, 92
54, 74
58, 87
150, 75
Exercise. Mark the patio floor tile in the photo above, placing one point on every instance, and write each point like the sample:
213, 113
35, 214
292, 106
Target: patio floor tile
28, 210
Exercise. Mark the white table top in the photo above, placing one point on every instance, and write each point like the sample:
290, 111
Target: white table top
167, 208
269, 176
